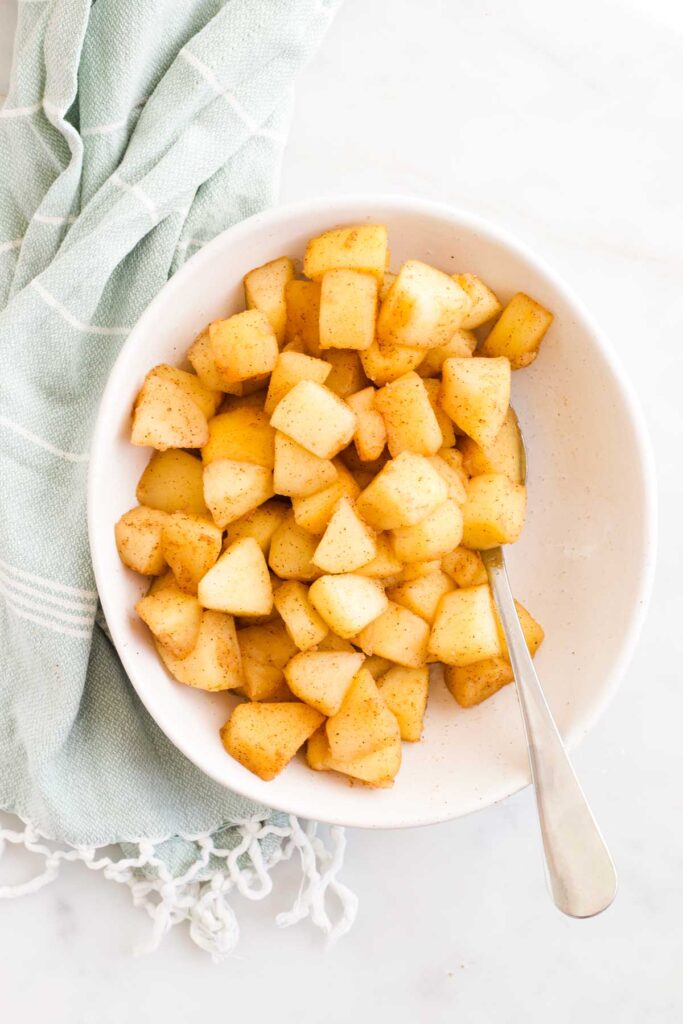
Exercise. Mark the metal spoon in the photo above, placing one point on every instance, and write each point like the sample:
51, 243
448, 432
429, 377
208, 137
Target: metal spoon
580, 872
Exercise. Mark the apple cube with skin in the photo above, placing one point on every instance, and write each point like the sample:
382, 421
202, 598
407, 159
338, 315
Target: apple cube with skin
265, 650
244, 346
348, 308
423, 594
378, 769
423, 308
347, 543
347, 602
385, 563
465, 567
299, 473
174, 618
303, 315
243, 434
301, 620
484, 305
519, 331
165, 415
383, 362
404, 691
361, 247
460, 346
397, 634
138, 540
260, 524
363, 723
371, 432
290, 368
411, 423
214, 662
239, 582
494, 511
172, 482
439, 532
190, 545
265, 737
504, 455
264, 289
476, 395
403, 493
315, 418
202, 362
291, 552
233, 489
465, 629
347, 375
322, 678
313, 512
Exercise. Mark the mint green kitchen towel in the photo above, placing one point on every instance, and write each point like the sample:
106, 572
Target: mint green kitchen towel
133, 132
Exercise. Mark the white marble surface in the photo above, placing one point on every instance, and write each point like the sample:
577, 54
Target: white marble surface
563, 122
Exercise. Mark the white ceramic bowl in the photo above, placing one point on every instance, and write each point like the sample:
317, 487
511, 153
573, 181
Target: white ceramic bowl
583, 566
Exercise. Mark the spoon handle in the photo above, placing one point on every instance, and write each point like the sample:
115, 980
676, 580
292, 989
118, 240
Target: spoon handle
580, 871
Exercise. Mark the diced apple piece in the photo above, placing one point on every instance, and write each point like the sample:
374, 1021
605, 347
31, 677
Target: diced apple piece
347, 543
460, 346
533, 631
423, 308
386, 284
361, 247
201, 359
363, 724
172, 482
299, 473
399, 635
347, 374
452, 477
436, 534
322, 678
384, 362
302, 621
422, 595
409, 417
476, 395
519, 331
347, 602
290, 368
348, 308
303, 314
332, 642
214, 662
291, 550
260, 524
403, 493
233, 489
385, 563
377, 666
315, 418
239, 582
465, 567
504, 455
465, 629
244, 346
265, 650
313, 512
243, 434
484, 305
173, 617
416, 570
165, 415
404, 691
371, 432
264, 289
432, 386
377, 769
208, 399
494, 511
190, 545
265, 737
138, 540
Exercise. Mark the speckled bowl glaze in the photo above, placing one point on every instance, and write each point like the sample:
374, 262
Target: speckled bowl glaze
583, 566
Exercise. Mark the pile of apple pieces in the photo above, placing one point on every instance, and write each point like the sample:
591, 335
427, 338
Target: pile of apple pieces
355, 456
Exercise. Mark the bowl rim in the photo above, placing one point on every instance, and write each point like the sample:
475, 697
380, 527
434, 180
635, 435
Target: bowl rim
338, 206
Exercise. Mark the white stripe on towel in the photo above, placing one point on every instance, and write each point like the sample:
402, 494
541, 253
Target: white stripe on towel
9, 246
81, 634
43, 581
43, 218
28, 435
74, 618
50, 300
11, 112
79, 604
139, 193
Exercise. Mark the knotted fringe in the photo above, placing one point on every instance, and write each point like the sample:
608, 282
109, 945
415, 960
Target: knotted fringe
204, 904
